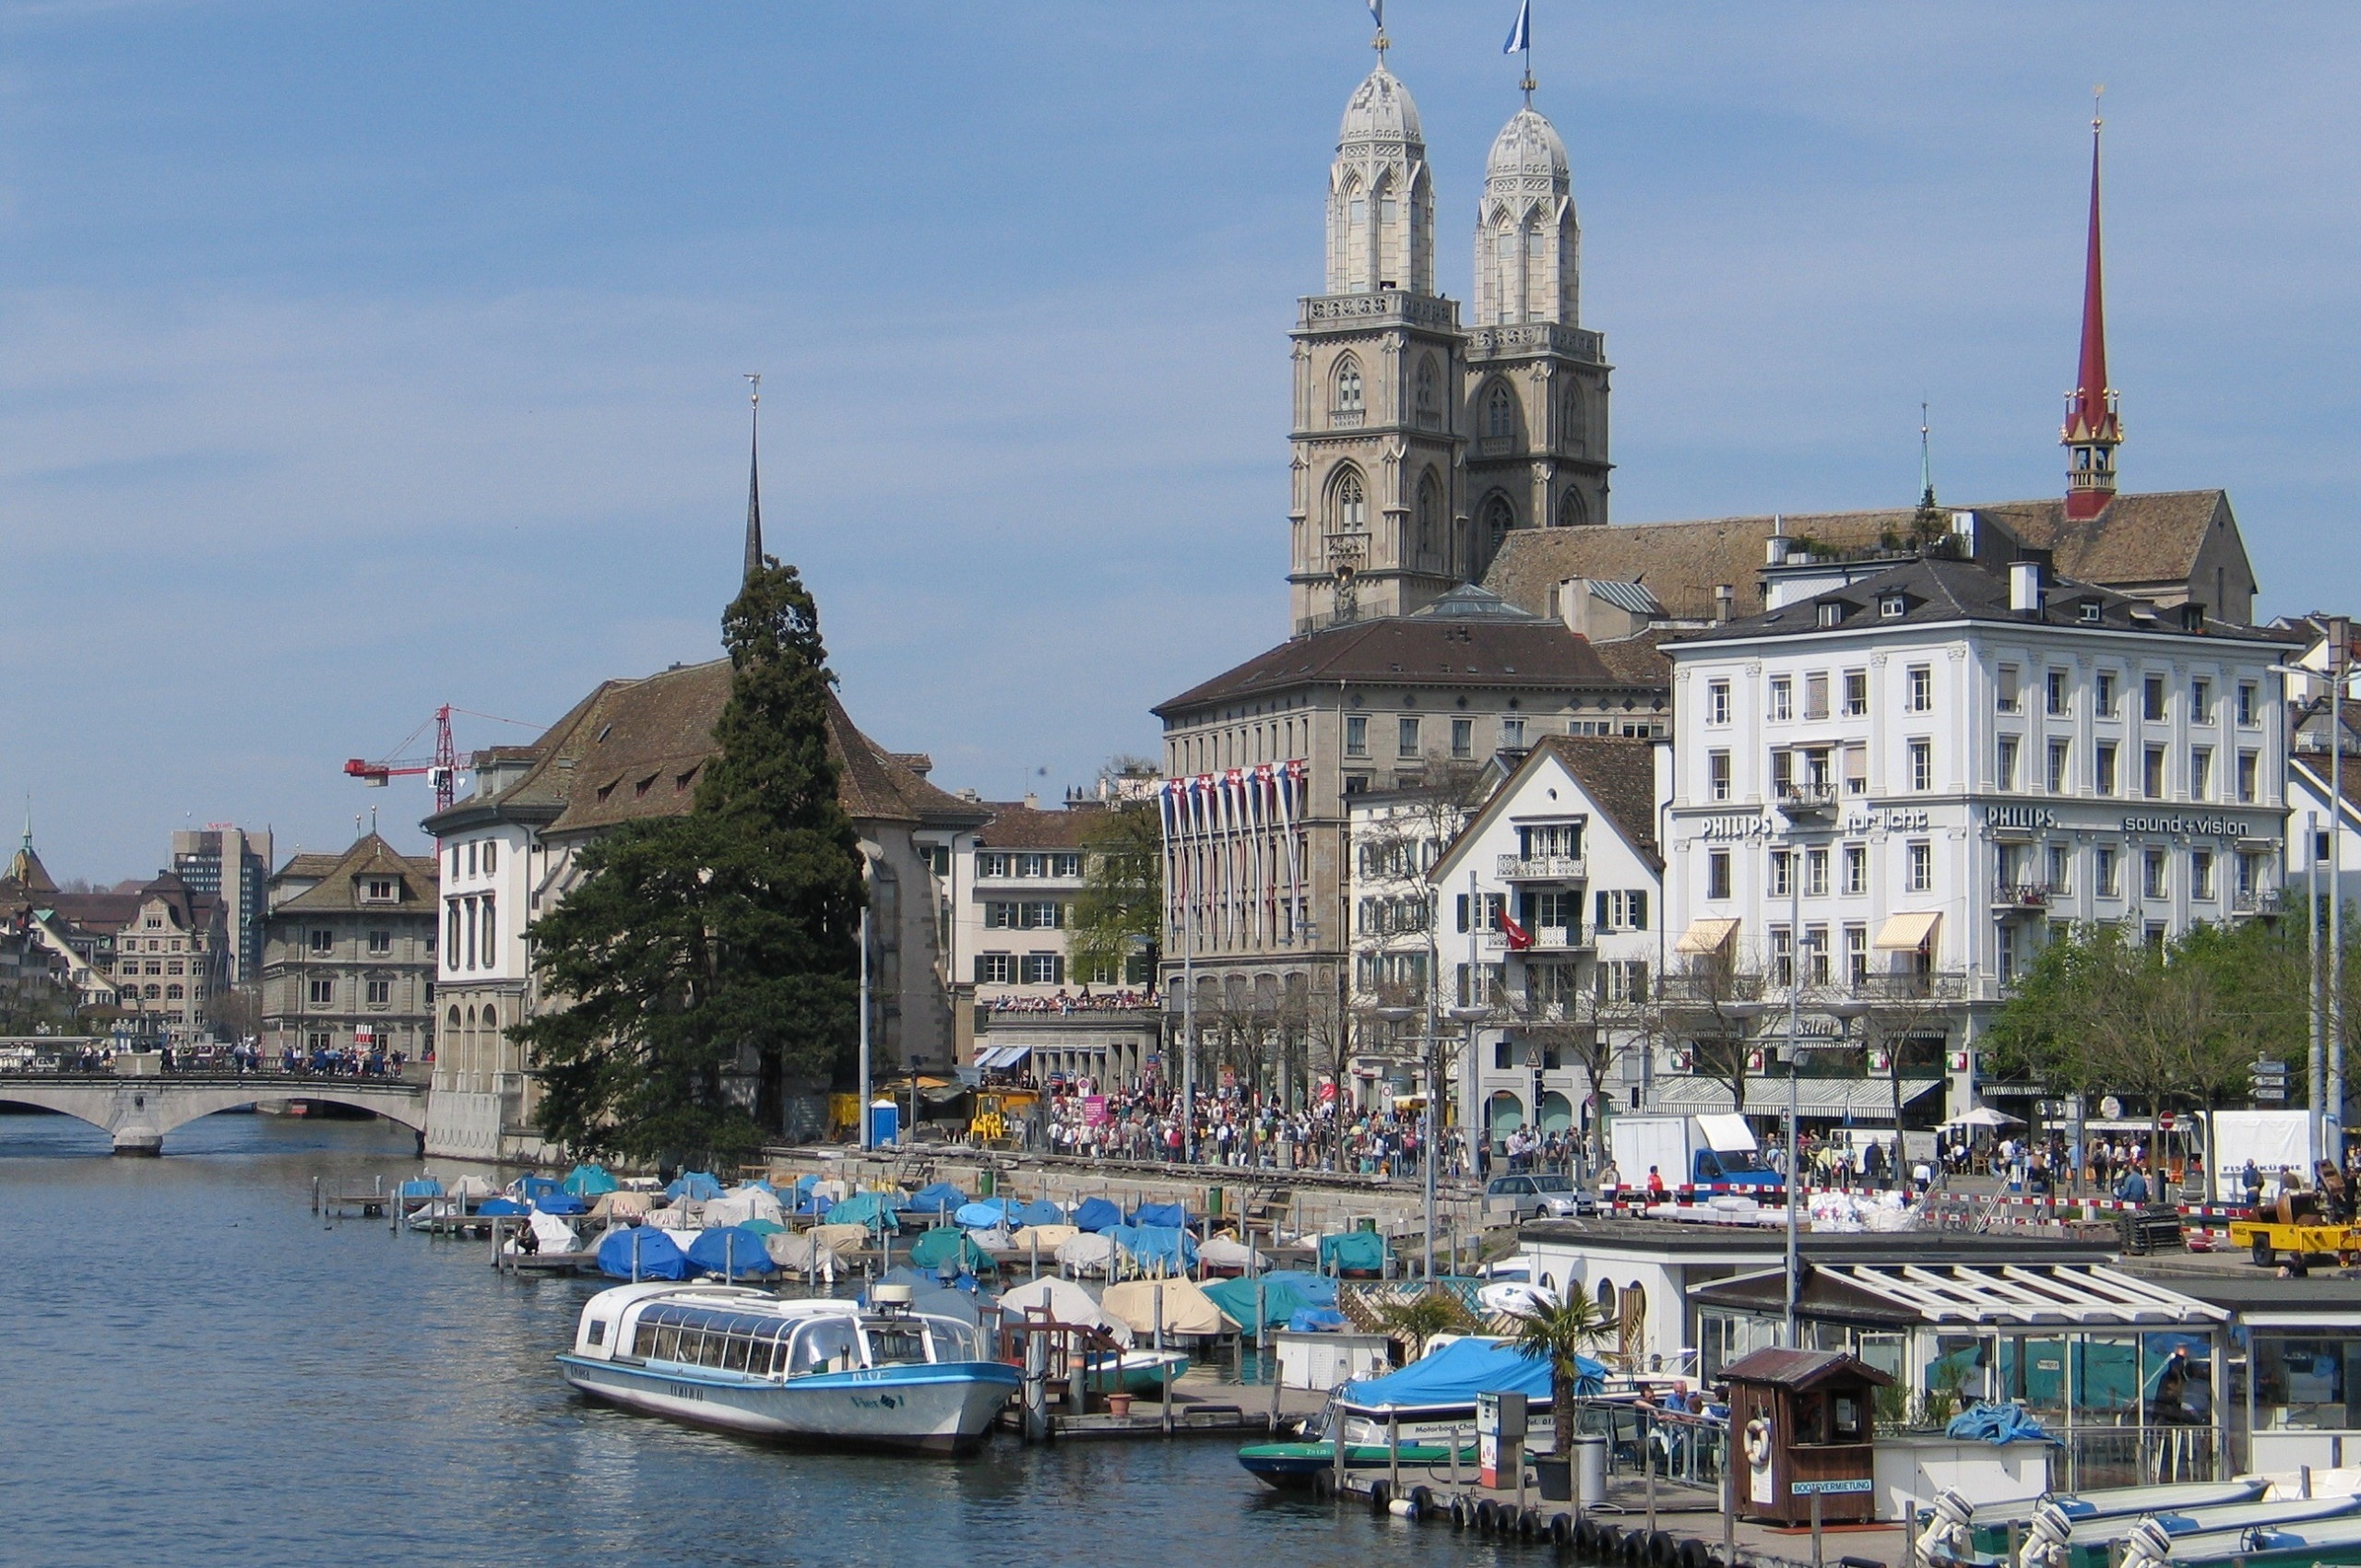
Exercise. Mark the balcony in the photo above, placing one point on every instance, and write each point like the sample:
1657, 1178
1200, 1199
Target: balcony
2020, 898
1546, 939
1543, 867
2261, 901
1811, 798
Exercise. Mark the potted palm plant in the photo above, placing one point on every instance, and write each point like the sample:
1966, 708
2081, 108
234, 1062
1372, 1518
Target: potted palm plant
1559, 1333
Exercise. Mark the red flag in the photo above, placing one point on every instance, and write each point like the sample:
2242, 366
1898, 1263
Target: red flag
1519, 938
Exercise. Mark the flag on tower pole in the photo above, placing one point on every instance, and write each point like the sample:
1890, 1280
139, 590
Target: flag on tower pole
1377, 13
1521, 35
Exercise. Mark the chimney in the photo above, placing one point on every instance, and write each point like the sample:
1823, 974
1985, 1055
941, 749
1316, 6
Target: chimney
1032, 802
1573, 605
1725, 603
2025, 587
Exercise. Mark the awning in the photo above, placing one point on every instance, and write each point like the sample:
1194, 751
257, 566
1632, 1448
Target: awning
1908, 933
998, 1058
1861, 1099
1706, 936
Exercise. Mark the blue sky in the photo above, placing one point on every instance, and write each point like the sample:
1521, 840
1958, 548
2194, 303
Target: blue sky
364, 357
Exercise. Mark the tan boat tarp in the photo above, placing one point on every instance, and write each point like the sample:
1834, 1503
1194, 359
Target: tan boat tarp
1065, 1302
1187, 1310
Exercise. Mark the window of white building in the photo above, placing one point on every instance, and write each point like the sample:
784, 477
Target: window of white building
1919, 859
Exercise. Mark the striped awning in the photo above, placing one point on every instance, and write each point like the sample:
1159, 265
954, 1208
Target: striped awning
1908, 933
1864, 1099
1706, 936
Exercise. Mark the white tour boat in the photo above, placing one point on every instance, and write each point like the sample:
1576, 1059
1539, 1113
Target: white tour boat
745, 1360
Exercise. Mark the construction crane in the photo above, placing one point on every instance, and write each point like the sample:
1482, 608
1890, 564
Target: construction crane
442, 769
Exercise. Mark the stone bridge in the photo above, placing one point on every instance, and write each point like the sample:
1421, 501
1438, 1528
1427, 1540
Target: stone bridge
137, 1111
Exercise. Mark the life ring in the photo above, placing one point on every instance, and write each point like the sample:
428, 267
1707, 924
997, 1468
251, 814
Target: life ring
1758, 1442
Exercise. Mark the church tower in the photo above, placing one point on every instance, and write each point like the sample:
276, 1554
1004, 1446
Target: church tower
1377, 521
1536, 383
2092, 431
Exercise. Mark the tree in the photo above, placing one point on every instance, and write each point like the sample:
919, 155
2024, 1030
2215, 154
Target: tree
1120, 909
706, 961
1559, 1332
1712, 1003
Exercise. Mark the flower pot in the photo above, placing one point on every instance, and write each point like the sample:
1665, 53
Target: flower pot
1119, 1406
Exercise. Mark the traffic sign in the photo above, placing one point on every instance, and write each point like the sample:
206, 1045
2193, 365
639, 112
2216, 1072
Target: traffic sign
2261, 1092
2266, 1068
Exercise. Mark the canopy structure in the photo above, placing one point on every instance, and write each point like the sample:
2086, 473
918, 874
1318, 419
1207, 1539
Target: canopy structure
1186, 1309
1456, 1372
1868, 1100
1909, 933
1001, 1058
1984, 1116
1064, 1301
1964, 1297
658, 1257
733, 1252
1706, 936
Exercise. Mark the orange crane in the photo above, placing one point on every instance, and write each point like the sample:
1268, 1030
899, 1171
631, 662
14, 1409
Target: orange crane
442, 768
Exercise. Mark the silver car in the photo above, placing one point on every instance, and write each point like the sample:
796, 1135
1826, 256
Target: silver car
1533, 1197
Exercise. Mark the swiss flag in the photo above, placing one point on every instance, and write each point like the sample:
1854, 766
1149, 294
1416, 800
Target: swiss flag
1519, 938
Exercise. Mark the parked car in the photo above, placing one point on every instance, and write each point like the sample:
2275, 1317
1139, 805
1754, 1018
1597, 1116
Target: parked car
1532, 1197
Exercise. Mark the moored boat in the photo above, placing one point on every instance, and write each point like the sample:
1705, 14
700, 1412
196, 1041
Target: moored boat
882, 1375
2329, 1543
1957, 1531
2059, 1541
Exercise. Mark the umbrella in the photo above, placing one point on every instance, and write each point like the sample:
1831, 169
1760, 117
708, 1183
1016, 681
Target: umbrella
1984, 1116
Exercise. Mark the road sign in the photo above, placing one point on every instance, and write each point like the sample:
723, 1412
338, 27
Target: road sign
2265, 1068
2269, 1092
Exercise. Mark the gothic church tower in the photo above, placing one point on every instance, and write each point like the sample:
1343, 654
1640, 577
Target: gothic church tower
1537, 384
1378, 525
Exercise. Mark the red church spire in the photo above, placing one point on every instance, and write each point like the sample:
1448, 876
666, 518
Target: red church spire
2091, 430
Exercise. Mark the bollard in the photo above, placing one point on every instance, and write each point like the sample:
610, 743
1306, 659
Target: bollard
1817, 1560
1393, 1453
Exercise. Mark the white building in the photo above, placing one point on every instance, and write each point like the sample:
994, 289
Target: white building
1934, 763
1395, 837
1554, 920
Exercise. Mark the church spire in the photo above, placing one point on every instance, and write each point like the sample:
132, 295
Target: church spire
2092, 431
755, 481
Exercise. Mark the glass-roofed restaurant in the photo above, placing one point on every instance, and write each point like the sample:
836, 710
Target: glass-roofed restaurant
2124, 1372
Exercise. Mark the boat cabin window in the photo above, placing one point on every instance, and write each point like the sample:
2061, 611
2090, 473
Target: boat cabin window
597, 1331
737, 1342
823, 1345
955, 1341
896, 1342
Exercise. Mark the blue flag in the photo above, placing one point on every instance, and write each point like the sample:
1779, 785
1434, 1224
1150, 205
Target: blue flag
1521, 35
1377, 10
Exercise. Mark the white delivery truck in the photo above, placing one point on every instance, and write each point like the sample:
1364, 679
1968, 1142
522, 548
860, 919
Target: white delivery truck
1691, 1151
2277, 1141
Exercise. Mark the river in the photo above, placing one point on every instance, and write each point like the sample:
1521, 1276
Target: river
199, 1370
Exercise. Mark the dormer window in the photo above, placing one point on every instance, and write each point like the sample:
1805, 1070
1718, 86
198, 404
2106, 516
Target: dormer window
1831, 614
2090, 612
1893, 607
378, 890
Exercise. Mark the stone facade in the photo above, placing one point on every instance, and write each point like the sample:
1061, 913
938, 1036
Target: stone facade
349, 953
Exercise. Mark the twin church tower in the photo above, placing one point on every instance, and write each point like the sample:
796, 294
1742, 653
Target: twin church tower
1420, 442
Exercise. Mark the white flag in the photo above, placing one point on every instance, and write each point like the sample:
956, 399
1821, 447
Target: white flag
1377, 10
1521, 35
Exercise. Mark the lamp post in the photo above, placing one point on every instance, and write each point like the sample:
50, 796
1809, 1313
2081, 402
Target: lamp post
1844, 1011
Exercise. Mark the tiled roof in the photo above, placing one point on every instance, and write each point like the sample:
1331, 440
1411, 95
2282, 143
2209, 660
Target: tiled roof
302, 867
1015, 825
25, 870
2138, 539
1620, 778
635, 749
1415, 650
417, 877
1637, 659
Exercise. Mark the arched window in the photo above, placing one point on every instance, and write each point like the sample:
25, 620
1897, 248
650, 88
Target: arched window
454, 1020
1347, 503
1430, 512
1424, 395
1574, 434
1498, 518
1348, 386
1571, 513
1499, 411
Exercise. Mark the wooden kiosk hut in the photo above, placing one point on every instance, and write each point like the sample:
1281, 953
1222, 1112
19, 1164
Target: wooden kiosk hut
1806, 1423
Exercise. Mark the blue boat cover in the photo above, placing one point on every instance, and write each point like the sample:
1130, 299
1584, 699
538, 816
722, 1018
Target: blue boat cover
421, 1187
697, 1184
804, 1184
1281, 1301
1317, 1289
589, 1180
1465, 1367
873, 1209
1040, 1211
937, 1197
1159, 1247
564, 1204
981, 1216
500, 1206
1096, 1214
530, 1187
946, 1248
1997, 1425
743, 1251
660, 1257
1172, 1215
1362, 1252
1315, 1320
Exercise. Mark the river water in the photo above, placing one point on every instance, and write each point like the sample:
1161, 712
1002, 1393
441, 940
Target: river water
196, 1369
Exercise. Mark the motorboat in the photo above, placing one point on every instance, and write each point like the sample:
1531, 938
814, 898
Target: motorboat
1426, 1407
1137, 1372
881, 1375
2300, 1543
2058, 1541
1958, 1531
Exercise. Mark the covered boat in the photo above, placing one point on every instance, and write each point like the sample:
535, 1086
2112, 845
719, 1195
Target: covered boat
693, 1186
1185, 1308
1237, 1298
1095, 1215
1155, 1249
641, 1251
1362, 1253
589, 1182
885, 1375
732, 1252
875, 1210
1064, 1302
1172, 1215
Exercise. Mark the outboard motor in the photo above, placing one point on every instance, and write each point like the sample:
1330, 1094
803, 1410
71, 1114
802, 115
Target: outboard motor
2148, 1546
2046, 1543
1947, 1538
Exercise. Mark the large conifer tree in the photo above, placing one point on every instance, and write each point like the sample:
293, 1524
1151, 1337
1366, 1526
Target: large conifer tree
696, 948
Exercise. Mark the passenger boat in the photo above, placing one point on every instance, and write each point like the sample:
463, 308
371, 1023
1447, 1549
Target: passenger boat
2058, 1541
881, 1376
1958, 1531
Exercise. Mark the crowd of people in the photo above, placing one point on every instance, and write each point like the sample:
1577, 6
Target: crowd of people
244, 1058
1236, 1127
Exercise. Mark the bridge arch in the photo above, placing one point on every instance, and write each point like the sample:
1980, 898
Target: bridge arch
137, 1112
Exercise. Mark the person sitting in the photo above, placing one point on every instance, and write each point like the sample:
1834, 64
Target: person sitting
2133, 1187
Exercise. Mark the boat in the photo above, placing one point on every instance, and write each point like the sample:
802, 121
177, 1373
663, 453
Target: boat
884, 1375
1427, 1406
1137, 1372
2298, 1544
2058, 1541
1958, 1531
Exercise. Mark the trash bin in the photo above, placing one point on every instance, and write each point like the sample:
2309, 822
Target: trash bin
1213, 1203
1590, 1469
987, 1182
